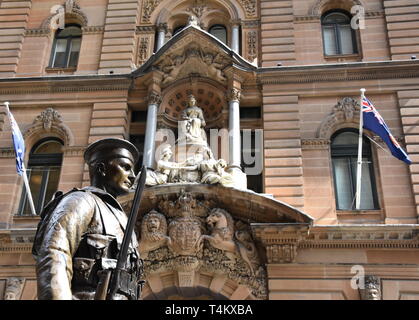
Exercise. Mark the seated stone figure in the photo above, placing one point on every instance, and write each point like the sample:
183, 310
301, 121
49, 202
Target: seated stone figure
167, 171
213, 171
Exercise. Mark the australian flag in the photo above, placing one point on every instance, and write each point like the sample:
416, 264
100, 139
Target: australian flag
18, 143
375, 123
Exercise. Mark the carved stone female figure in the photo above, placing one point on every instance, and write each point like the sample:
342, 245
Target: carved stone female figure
213, 171
193, 123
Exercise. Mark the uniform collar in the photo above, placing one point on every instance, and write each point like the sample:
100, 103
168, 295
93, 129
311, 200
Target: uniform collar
105, 196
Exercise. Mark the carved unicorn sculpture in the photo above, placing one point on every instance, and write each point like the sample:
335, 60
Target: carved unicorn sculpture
222, 236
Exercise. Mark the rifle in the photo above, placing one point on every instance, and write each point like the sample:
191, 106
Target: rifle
109, 281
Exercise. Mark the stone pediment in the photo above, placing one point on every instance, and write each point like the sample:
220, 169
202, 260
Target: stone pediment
242, 204
194, 52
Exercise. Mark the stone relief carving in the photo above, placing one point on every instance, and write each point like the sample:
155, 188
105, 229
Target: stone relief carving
200, 237
142, 50
198, 8
249, 7
192, 61
148, 8
346, 110
153, 232
372, 288
48, 117
251, 45
71, 9
14, 288
51, 121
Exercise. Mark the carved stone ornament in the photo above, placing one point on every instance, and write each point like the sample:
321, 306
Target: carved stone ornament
249, 7
50, 121
71, 10
154, 98
234, 94
198, 8
14, 288
48, 117
372, 288
187, 234
142, 50
192, 61
345, 111
251, 45
148, 8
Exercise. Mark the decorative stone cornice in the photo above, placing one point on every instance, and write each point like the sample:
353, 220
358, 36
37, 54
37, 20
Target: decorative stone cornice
351, 71
362, 236
7, 153
74, 151
281, 240
64, 83
145, 29
92, 29
315, 143
250, 24
41, 32
298, 19
16, 240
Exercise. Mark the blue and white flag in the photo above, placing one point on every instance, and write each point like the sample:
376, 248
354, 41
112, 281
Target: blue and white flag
18, 142
373, 121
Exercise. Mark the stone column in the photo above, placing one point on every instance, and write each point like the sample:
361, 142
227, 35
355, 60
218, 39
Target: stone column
234, 127
154, 100
239, 177
235, 37
161, 35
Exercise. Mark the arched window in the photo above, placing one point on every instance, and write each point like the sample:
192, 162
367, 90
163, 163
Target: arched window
338, 36
344, 149
220, 32
66, 47
43, 171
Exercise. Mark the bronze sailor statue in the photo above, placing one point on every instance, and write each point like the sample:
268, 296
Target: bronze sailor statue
83, 236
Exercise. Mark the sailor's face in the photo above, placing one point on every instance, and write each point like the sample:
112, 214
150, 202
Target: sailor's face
119, 176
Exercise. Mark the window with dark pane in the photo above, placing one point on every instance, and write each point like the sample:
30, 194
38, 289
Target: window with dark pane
254, 181
44, 168
220, 32
66, 47
338, 36
344, 150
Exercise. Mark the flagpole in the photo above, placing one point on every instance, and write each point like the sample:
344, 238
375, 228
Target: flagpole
25, 177
359, 165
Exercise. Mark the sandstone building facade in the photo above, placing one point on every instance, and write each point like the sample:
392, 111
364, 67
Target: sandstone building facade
286, 73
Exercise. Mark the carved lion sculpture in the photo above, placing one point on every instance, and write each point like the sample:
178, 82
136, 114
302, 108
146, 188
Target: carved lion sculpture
221, 225
153, 232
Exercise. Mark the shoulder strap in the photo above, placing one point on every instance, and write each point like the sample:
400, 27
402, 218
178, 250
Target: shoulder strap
45, 215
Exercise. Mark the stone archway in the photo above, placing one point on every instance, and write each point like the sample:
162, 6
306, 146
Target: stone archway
204, 286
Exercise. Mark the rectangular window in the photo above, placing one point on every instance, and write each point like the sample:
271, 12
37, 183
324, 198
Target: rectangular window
329, 39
